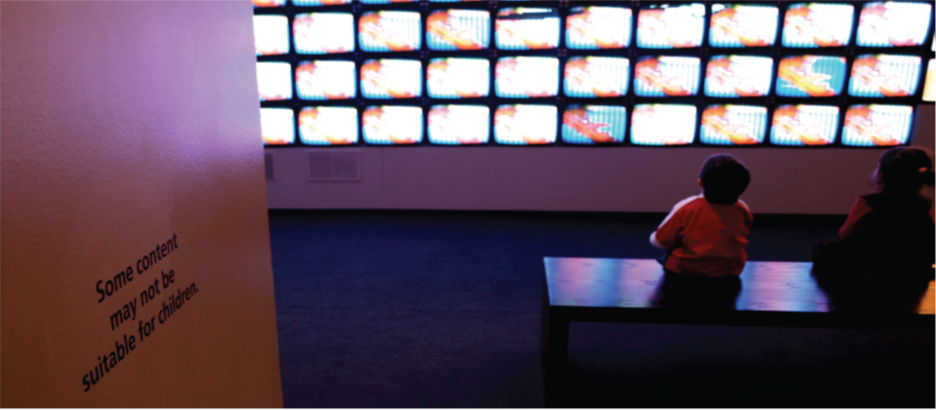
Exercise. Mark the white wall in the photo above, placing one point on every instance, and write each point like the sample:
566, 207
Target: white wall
618, 179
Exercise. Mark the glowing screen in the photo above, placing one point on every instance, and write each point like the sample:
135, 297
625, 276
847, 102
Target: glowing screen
738, 76
450, 30
929, 88
739, 25
525, 124
733, 125
274, 81
386, 79
271, 35
323, 33
524, 28
877, 125
663, 124
671, 26
810, 76
458, 77
459, 124
328, 125
269, 3
587, 77
666, 76
594, 124
810, 25
798, 125
326, 80
312, 3
893, 24
884, 76
387, 1
276, 125
526, 77
389, 31
392, 125
594, 27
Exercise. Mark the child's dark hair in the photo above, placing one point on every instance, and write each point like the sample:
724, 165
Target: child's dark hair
904, 170
724, 179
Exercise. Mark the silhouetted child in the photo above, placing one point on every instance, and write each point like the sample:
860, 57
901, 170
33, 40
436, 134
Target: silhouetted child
705, 235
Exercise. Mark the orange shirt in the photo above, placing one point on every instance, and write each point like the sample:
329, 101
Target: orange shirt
705, 239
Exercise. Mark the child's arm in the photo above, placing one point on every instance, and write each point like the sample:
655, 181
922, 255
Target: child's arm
850, 228
669, 234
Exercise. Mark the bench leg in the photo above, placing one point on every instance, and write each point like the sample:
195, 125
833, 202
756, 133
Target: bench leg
554, 351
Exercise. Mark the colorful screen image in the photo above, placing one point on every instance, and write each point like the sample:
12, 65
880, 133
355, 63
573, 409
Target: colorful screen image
877, 125
893, 24
458, 77
526, 77
459, 124
392, 125
811, 25
525, 124
388, 79
739, 25
588, 77
738, 76
810, 76
271, 35
454, 1
387, 1
326, 80
525, 28
671, 26
666, 76
799, 125
323, 33
663, 124
328, 125
450, 30
274, 81
594, 124
733, 125
389, 31
595, 27
269, 3
884, 75
314, 3
276, 125
929, 88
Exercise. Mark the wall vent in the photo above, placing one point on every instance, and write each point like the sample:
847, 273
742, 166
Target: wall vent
334, 166
268, 166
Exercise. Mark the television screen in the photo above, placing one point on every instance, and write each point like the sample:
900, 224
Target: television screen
810, 76
459, 124
525, 28
740, 25
526, 77
458, 77
666, 76
733, 125
929, 88
595, 27
671, 26
313, 3
274, 81
884, 75
893, 24
328, 125
877, 125
389, 31
326, 80
271, 35
323, 33
594, 124
663, 124
454, 1
798, 125
387, 1
588, 77
269, 3
811, 25
392, 125
387, 79
525, 124
276, 125
451, 30
738, 76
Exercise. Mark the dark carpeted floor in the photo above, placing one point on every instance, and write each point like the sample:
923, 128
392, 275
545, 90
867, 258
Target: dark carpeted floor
442, 309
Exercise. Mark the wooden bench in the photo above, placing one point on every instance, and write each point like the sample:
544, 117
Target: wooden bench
773, 294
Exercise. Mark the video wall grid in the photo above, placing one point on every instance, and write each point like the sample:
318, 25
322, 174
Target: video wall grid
376, 72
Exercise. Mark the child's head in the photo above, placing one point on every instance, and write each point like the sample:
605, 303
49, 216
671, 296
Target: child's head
723, 179
904, 170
